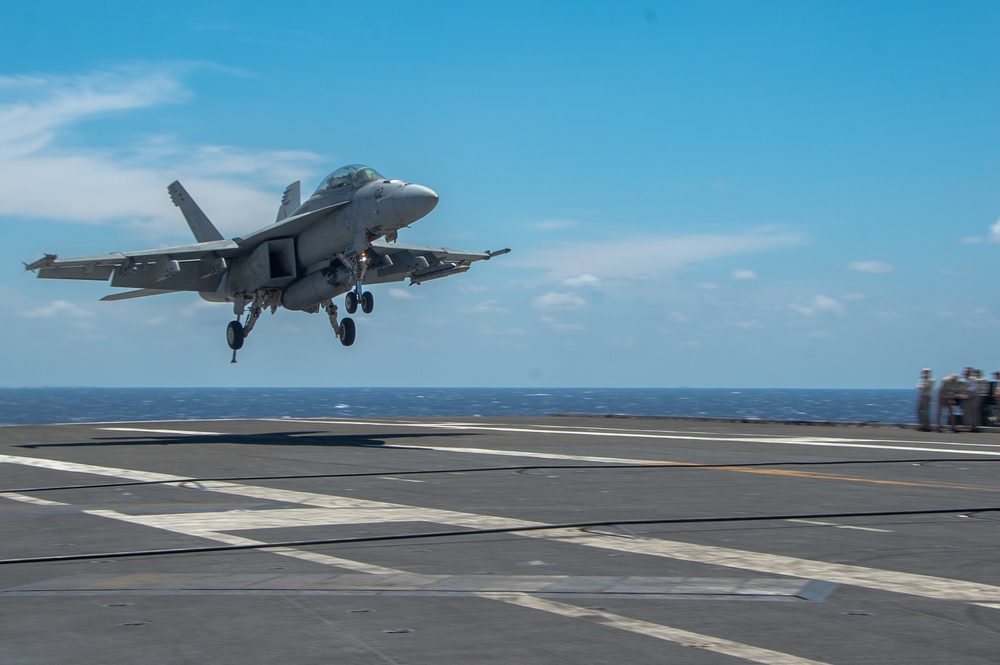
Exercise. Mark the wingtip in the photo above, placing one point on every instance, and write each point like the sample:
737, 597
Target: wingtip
43, 262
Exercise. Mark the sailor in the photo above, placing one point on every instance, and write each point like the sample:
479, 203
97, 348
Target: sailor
990, 402
925, 386
947, 395
973, 399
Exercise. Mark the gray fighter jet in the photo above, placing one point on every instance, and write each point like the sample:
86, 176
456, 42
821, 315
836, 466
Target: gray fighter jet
340, 238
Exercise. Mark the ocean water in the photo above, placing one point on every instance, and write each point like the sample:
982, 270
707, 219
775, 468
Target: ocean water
68, 405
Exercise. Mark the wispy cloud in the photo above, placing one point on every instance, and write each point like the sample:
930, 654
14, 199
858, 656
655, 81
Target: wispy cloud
819, 305
556, 224
655, 256
582, 280
869, 266
124, 184
554, 300
404, 294
562, 326
744, 275
58, 308
993, 235
486, 307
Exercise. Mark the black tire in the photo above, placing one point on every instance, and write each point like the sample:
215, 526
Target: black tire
351, 302
367, 302
347, 332
235, 335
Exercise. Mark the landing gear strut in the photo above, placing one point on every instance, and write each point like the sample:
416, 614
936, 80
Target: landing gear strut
358, 265
345, 329
236, 331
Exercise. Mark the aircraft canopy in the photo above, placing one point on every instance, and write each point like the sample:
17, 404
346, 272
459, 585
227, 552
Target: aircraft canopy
349, 177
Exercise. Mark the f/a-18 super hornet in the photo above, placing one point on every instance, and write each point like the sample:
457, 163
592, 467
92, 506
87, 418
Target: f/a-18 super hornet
341, 237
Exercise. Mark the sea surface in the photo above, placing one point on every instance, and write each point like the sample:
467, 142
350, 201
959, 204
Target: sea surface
69, 405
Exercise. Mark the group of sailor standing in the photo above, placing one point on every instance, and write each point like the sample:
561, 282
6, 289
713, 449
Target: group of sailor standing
970, 400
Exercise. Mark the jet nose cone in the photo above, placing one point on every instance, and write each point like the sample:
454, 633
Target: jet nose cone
414, 201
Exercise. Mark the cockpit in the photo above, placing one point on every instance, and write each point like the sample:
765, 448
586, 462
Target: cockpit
348, 177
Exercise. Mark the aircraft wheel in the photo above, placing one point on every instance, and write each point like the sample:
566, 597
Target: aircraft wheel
348, 332
351, 302
367, 302
234, 335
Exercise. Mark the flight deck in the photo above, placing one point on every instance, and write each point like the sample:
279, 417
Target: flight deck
497, 540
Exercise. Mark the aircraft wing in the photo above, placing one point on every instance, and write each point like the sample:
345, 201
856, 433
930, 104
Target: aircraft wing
194, 267
394, 262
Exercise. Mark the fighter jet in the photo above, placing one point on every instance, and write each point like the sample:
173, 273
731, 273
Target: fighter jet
337, 240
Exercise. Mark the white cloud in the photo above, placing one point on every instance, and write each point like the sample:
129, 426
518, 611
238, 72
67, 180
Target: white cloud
556, 224
995, 231
503, 332
126, 184
585, 279
487, 307
751, 324
404, 294
819, 305
554, 300
561, 326
60, 308
993, 236
869, 266
744, 275
653, 256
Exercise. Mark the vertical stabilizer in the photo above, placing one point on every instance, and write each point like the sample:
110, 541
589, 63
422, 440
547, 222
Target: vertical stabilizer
290, 200
203, 229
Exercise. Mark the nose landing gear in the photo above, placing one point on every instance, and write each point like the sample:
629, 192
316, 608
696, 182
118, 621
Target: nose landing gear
365, 298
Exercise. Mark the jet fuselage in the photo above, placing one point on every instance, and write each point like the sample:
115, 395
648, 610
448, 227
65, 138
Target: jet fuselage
322, 260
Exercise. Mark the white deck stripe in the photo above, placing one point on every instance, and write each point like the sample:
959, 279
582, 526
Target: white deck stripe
229, 539
24, 498
826, 442
181, 432
683, 637
940, 588
842, 526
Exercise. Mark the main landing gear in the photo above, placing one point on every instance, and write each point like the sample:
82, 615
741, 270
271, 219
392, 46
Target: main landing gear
345, 330
236, 332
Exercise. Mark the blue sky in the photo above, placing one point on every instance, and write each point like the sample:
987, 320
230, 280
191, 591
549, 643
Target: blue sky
706, 194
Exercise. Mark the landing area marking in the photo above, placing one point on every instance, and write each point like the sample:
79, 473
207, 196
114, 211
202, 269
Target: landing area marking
322, 509
353, 510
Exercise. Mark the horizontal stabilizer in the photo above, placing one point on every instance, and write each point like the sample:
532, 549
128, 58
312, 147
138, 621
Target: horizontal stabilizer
203, 229
126, 295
